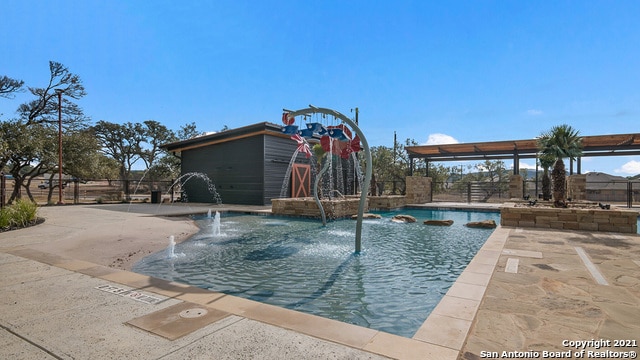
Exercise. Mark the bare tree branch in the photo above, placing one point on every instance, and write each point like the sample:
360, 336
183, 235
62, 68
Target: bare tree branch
44, 109
8, 86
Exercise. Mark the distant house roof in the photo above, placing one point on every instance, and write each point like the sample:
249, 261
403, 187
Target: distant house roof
226, 136
603, 181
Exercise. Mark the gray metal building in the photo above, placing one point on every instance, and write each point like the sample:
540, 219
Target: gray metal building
247, 165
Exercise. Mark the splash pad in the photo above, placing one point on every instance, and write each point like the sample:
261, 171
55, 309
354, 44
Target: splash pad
401, 274
335, 141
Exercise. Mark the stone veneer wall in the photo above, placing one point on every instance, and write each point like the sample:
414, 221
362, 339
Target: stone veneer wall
418, 190
516, 187
307, 207
614, 220
386, 202
577, 187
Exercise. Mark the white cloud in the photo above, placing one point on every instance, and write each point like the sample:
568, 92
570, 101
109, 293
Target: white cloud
632, 167
534, 112
441, 139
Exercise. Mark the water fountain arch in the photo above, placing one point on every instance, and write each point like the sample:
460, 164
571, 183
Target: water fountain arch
328, 134
211, 187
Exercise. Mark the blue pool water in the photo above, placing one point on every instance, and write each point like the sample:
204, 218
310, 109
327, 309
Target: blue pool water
392, 285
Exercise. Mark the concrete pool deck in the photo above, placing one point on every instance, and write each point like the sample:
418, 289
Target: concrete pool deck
64, 292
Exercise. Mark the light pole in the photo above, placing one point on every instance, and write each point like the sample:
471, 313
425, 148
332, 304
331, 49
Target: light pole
59, 92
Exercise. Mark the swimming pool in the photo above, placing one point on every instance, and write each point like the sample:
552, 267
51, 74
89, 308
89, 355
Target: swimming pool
392, 285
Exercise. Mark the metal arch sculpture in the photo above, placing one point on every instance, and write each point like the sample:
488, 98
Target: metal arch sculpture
288, 118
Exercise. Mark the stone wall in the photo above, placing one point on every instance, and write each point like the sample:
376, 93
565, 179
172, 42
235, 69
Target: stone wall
307, 207
387, 202
418, 190
577, 187
614, 220
516, 187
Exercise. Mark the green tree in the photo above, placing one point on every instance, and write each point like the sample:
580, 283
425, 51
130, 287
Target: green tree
391, 166
491, 175
30, 154
168, 165
8, 86
123, 143
35, 153
496, 174
44, 108
188, 131
29, 144
439, 175
156, 135
383, 168
562, 141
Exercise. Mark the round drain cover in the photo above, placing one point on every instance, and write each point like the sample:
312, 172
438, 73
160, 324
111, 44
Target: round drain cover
193, 313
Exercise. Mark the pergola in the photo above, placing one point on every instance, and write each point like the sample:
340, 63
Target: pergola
600, 145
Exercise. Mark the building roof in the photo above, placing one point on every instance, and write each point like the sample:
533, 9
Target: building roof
263, 128
600, 145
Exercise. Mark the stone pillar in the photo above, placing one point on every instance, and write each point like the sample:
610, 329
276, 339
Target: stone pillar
577, 187
418, 190
516, 187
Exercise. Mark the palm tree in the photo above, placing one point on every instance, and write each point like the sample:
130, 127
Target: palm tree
546, 161
562, 141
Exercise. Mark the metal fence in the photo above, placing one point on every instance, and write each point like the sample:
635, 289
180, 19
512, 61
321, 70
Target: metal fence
470, 191
621, 193
387, 187
98, 191
458, 191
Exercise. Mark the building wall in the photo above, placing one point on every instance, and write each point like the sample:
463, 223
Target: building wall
277, 156
235, 168
248, 171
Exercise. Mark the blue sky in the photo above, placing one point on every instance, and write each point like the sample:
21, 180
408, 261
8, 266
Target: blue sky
469, 71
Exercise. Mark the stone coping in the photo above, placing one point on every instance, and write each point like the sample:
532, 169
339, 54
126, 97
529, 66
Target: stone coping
307, 207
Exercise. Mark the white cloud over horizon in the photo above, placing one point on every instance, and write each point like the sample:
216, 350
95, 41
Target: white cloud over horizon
534, 112
632, 168
440, 139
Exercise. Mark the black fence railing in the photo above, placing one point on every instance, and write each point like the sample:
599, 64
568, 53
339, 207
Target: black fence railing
470, 191
620, 192
387, 187
627, 192
96, 191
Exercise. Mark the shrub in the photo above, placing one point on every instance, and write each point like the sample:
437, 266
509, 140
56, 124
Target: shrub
5, 218
20, 214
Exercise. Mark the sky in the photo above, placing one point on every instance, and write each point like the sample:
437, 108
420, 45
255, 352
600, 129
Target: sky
431, 71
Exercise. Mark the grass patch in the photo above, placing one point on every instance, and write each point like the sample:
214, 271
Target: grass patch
18, 215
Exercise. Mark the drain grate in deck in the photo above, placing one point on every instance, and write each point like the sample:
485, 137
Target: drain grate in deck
178, 320
129, 293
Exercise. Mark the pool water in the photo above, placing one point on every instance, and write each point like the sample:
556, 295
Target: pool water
392, 285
